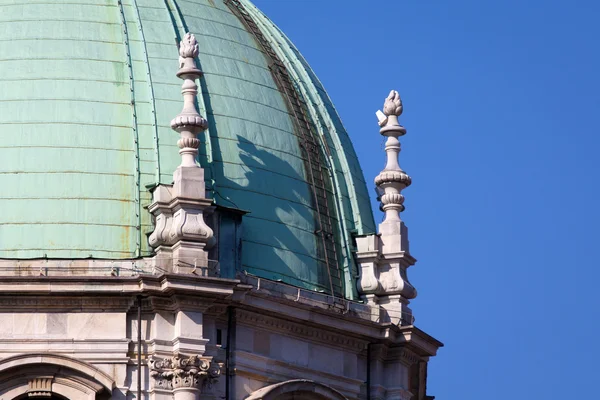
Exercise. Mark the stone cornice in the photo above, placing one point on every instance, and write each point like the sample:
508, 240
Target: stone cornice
300, 330
217, 310
408, 357
400, 255
351, 326
353, 318
65, 303
176, 303
142, 284
80, 302
167, 292
412, 338
177, 202
387, 352
212, 295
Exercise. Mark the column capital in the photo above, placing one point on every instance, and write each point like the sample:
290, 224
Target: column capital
180, 372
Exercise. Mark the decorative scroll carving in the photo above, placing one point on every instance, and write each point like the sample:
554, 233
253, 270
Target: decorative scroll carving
184, 372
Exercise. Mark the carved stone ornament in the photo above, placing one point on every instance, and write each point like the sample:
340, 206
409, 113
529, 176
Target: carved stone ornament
183, 372
181, 236
40, 388
188, 48
393, 104
189, 122
392, 107
384, 258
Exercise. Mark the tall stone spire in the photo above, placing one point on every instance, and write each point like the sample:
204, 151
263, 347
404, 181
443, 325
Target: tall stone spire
181, 236
384, 258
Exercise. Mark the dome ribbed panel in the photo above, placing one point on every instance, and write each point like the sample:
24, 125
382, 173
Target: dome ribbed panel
71, 164
66, 145
353, 210
256, 156
350, 182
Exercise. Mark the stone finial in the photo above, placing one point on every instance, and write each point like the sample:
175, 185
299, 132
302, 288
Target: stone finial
392, 180
188, 47
392, 107
189, 122
393, 104
180, 372
181, 235
384, 258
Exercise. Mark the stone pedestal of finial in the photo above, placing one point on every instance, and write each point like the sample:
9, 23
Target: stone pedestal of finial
181, 236
385, 257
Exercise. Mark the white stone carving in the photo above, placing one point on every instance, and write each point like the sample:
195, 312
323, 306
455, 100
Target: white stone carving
188, 49
183, 372
189, 122
181, 235
40, 387
384, 258
393, 104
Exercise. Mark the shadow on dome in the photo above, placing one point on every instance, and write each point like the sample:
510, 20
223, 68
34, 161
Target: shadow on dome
278, 234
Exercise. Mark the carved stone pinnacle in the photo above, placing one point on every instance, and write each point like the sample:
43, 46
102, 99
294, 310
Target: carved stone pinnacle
189, 122
181, 236
385, 257
392, 179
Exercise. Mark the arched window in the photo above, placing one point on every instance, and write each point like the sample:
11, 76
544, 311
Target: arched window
301, 396
298, 389
52, 376
40, 397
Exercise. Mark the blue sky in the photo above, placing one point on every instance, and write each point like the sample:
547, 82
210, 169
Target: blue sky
501, 102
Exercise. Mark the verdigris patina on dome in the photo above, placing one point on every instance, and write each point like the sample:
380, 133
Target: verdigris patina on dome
88, 90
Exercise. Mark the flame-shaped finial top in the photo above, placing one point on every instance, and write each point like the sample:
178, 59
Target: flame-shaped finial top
393, 104
189, 46
392, 109
188, 51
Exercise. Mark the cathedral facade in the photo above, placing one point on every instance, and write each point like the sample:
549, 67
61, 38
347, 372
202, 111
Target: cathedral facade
185, 216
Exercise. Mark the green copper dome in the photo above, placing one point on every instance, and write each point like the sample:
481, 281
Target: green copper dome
87, 91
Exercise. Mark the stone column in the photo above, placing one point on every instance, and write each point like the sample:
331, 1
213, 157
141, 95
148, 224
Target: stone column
184, 393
